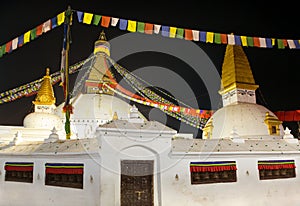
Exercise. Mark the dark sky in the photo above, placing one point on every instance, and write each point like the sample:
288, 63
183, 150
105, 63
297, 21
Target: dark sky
275, 70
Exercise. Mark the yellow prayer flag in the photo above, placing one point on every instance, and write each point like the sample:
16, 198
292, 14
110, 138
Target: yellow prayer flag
131, 26
244, 41
173, 32
273, 41
26, 37
210, 37
60, 18
87, 18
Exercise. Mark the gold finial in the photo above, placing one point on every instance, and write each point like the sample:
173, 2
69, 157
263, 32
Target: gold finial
102, 36
115, 117
45, 94
236, 71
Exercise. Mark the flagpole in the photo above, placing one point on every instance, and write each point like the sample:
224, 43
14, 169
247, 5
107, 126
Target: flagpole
67, 106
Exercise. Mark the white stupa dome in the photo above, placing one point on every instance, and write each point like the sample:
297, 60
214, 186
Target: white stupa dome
42, 120
247, 120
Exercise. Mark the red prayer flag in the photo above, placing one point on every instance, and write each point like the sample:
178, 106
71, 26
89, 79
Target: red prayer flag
256, 41
285, 42
39, 30
224, 38
148, 28
188, 34
8, 46
105, 20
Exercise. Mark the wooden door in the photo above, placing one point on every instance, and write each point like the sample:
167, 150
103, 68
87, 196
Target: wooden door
137, 183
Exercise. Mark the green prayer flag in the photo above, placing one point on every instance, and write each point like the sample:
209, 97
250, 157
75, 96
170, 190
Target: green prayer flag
280, 44
250, 41
2, 50
217, 38
33, 33
180, 32
96, 19
141, 27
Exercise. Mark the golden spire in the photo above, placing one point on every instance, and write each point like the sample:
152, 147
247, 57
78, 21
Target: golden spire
236, 71
102, 45
45, 95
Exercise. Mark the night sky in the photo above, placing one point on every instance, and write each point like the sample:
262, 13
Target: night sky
275, 70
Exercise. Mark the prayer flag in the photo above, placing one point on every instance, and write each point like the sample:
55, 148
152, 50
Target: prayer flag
297, 44
291, 44
21, 40
79, 16
54, 22
280, 44
165, 30
26, 37
237, 40
231, 39
105, 20
195, 34
188, 34
269, 42
33, 33
148, 28
224, 38
123, 24
172, 32
141, 27
217, 38
202, 36
46, 26
60, 18
210, 37
96, 19
180, 32
131, 26
157, 28
14, 44
250, 41
8, 46
262, 42
39, 30
87, 18
256, 41
244, 40
114, 21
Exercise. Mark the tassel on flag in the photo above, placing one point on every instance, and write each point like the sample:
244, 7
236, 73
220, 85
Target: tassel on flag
114, 21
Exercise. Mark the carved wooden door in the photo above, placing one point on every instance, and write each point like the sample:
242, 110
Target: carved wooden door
137, 183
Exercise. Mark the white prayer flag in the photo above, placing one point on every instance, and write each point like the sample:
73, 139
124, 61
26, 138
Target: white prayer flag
195, 35
114, 21
291, 43
231, 40
262, 42
47, 26
14, 43
156, 28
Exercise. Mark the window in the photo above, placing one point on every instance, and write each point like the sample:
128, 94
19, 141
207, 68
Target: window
64, 175
19, 171
213, 172
276, 169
